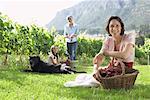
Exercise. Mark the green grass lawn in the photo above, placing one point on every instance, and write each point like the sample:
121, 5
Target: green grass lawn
16, 85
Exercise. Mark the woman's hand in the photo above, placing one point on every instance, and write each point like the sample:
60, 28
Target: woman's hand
73, 35
98, 58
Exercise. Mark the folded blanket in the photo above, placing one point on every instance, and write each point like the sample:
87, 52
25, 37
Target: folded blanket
83, 80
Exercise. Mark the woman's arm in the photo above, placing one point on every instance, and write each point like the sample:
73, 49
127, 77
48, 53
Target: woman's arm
97, 61
76, 32
121, 54
99, 58
66, 35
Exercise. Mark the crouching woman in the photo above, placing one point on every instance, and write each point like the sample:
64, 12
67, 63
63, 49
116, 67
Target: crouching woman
119, 47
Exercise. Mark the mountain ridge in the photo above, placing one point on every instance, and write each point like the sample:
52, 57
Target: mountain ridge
93, 14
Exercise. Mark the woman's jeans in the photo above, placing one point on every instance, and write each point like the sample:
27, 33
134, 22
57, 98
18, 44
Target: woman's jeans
71, 48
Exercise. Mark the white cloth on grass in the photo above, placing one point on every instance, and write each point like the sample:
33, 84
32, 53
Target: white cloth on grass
83, 80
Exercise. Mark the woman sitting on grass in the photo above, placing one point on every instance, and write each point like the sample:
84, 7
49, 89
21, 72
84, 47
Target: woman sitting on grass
119, 47
54, 57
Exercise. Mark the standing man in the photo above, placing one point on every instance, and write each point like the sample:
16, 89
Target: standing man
70, 33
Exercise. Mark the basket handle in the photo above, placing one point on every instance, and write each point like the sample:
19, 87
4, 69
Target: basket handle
122, 67
121, 64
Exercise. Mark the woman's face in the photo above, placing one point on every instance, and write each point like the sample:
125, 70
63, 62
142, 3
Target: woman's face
55, 50
70, 20
115, 28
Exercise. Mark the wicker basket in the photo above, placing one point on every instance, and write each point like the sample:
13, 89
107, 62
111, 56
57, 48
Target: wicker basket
125, 81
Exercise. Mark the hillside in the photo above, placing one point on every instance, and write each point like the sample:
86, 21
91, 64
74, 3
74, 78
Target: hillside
93, 14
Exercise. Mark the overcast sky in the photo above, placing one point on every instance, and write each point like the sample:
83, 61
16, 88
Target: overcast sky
34, 11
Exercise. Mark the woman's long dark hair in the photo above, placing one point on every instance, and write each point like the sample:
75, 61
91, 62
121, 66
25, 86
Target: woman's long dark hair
119, 20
